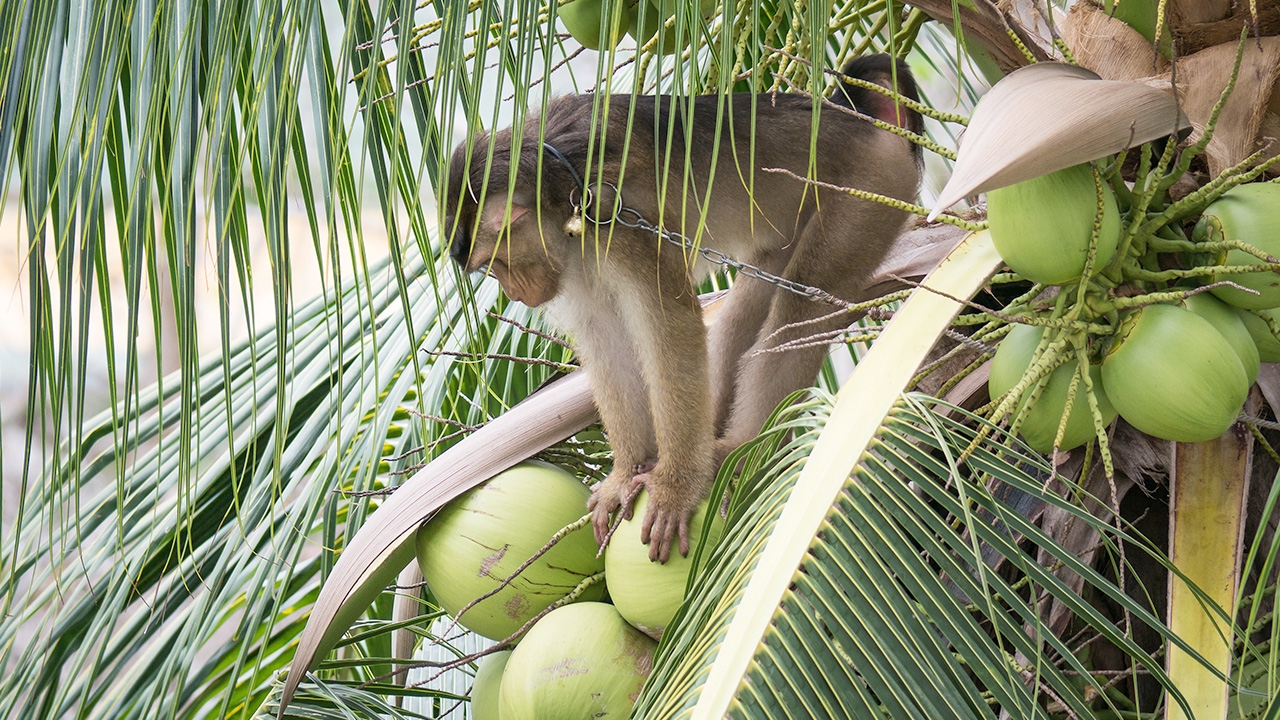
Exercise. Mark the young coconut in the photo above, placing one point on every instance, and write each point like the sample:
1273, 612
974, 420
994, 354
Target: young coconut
488, 683
1267, 343
1171, 374
648, 594
1246, 213
1042, 227
668, 8
477, 540
646, 19
1040, 421
580, 662
1227, 321
583, 20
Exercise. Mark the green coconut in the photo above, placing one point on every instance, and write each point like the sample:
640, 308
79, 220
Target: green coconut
1172, 375
647, 594
583, 20
646, 18
1267, 343
477, 540
488, 683
580, 662
1042, 227
1040, 422
1247, 213
657, 13
1227, 321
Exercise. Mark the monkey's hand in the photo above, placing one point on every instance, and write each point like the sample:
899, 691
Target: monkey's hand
617, 490
671, 503
614, 492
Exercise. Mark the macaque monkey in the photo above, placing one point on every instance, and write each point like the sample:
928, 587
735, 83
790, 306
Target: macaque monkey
677, 397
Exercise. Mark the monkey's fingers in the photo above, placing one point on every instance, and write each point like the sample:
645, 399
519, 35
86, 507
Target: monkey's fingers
599, 522
613, 528
630, 493
658, 530
660, 542
601, 504
646, 529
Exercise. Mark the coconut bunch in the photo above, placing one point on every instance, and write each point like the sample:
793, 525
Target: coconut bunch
514, 560
1156, 310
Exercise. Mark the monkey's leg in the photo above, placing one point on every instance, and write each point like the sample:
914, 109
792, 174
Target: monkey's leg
667, 323
767, 373
735, 329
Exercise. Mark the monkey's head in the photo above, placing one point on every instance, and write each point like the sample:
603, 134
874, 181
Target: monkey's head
497, 226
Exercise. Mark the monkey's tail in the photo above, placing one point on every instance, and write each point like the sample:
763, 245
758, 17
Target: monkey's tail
884, 71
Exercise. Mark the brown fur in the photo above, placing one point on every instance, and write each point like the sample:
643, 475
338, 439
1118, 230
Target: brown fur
675, 397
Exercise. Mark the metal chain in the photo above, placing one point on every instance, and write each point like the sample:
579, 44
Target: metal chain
807, 291
623, 216
631, 218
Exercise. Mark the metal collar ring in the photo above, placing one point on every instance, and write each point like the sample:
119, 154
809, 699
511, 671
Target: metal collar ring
587, 195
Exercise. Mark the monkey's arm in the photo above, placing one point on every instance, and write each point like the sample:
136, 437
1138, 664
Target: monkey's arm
617, 382
663, 314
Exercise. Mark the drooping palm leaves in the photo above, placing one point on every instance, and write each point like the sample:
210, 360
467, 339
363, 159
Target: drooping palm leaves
165, 550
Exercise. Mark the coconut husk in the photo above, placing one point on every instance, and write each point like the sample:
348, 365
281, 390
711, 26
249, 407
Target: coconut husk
1197, 29
1187, 12
1201, 79
1108, 46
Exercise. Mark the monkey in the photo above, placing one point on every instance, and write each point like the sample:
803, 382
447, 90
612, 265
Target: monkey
554, 222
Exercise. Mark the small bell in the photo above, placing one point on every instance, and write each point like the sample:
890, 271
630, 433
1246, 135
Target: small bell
573, 226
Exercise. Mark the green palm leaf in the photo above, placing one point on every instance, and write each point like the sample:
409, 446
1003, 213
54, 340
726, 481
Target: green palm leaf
893, 611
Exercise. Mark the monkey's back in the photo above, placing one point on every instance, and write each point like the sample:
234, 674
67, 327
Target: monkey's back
678, 158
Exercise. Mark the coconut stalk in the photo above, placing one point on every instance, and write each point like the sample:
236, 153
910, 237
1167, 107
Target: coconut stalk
1210, 481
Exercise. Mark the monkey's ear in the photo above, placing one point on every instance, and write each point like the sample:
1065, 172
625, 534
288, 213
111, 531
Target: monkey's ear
495, 216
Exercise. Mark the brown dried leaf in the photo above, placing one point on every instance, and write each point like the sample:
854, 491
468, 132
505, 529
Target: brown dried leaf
405, 606
913, 255
1050, 116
